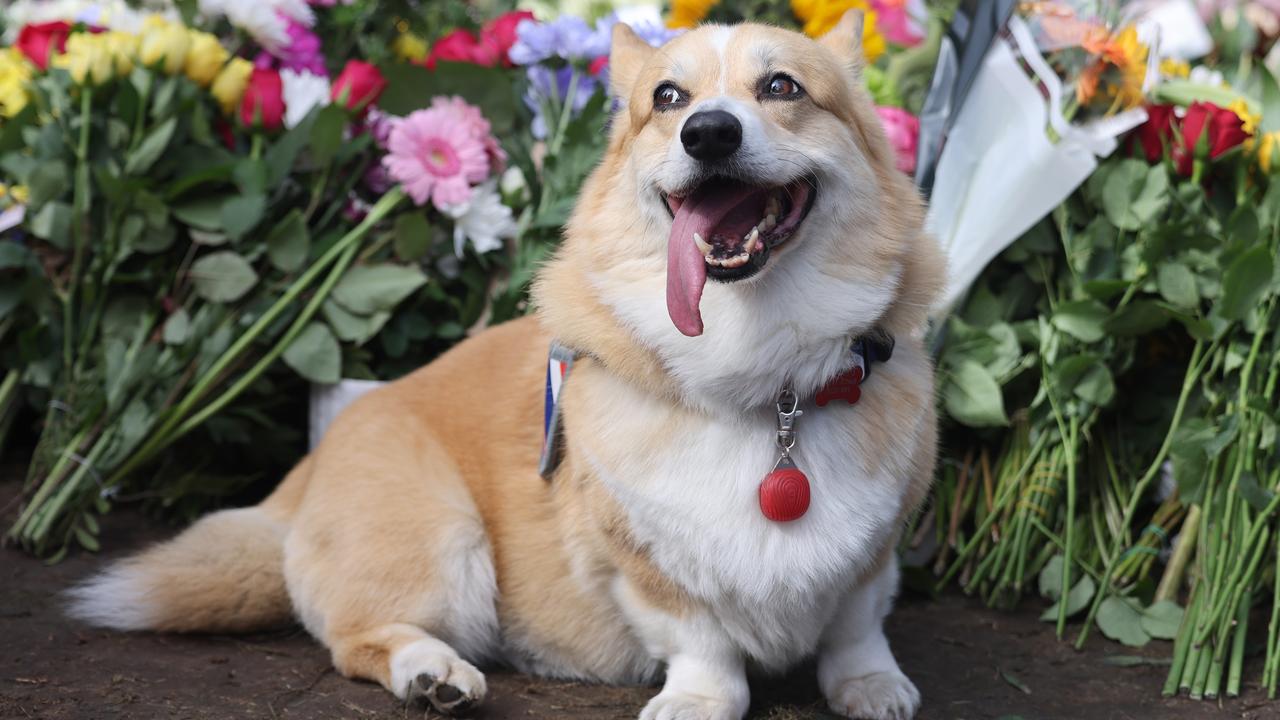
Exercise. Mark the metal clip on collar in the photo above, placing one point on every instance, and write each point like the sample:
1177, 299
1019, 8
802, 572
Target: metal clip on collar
788, 411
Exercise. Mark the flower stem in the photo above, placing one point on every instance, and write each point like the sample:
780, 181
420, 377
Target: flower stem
163, 435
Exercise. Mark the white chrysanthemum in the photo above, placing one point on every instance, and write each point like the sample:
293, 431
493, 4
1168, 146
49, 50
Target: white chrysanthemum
483, 220
109, 14
261, 19
302, 92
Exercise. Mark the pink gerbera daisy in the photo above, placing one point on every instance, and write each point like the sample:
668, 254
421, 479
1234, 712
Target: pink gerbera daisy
437, 155
471, 116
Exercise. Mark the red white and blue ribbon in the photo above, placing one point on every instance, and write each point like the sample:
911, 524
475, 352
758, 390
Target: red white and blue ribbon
559, 362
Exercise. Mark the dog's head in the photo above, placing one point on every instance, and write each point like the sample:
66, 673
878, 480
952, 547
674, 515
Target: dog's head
751, 157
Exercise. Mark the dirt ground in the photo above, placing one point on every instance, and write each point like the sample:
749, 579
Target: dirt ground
969, 662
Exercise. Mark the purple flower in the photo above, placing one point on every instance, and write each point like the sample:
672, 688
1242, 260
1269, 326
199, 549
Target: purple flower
302, 54
566, 37
650, 31
547, 85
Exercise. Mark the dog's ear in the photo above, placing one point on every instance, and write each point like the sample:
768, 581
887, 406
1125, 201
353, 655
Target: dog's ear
626, 56
845, 38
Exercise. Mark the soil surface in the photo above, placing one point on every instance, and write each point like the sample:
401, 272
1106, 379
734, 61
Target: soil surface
969, 662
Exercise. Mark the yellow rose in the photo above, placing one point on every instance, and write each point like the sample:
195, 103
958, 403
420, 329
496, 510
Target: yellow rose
1268, 149
409, 47
15, 72
229, 86
123, 47
87, 59
205, 58
820, 16
164, 41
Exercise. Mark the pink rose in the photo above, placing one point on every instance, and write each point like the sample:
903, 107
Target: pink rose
903, 130
896, 23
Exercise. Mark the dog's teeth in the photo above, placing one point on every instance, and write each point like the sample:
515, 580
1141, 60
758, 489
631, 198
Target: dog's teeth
703, 246
752, 237
770, 221
772, 206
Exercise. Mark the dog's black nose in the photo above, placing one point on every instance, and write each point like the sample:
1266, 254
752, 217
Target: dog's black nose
711, 135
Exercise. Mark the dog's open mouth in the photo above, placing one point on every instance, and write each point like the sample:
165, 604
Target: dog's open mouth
725, 229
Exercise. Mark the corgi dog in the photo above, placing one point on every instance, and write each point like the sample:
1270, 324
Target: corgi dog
737, 454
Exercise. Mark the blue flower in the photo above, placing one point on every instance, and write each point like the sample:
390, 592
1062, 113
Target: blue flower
566, 37
550, 87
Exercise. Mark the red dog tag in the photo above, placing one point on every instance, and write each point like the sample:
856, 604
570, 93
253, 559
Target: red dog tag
784, 494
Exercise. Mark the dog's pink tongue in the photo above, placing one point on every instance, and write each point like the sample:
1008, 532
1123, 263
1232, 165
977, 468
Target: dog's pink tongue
686, 269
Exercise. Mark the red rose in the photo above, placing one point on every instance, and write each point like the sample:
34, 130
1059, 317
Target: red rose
263, 101
358, 86
1157, 132
462, 46
39, 41
598, 65
501, 32
1218, 128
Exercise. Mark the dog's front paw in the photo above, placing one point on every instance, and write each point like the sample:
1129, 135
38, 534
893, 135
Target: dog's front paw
683, 706
879, 696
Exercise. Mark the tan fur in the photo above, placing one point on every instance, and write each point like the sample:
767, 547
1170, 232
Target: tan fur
440, 465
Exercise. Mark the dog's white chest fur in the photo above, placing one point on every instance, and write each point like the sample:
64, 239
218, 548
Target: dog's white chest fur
689, 485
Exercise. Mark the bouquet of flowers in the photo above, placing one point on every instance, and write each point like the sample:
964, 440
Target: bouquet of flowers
1125, 347
199, 215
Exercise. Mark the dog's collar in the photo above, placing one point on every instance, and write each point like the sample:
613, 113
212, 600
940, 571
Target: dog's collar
865, 351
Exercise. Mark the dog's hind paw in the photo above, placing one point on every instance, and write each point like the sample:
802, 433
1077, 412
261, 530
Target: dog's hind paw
456, 695
431, 672
682, 706
879, 696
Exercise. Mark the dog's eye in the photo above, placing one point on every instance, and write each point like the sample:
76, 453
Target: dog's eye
783, 85
668, 95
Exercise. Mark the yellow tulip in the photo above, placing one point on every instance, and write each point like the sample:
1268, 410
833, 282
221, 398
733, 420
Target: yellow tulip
165, 42
123, 47
229, 86
87, 59
15, 72
205, 58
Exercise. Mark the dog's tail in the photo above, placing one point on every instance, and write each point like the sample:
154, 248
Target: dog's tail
223, 574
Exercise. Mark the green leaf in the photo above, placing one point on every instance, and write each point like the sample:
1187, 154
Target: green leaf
1253, 493
315, 355
1082, 319
352, 328
223, 276
1177, 284
48, 181
53, 223
13, 255
177, 328
204, 212
1078, 599
149, 150
412, 236
1270, 102
972, 396
1162, 619
284, 152
1245, 282
1137, 318
1050, 578
289, 242
1014, 682
367, 289
326, 133
1134, 661
240, 214
1134, 193
1121, 621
